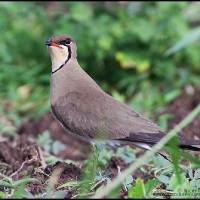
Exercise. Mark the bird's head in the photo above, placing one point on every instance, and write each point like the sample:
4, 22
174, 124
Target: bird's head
61, 48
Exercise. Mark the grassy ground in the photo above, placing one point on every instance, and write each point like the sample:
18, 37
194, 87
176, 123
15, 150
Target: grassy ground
145, 54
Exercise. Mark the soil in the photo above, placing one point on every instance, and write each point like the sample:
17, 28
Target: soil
21, 156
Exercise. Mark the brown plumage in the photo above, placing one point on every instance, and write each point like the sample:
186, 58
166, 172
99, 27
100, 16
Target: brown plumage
84, 109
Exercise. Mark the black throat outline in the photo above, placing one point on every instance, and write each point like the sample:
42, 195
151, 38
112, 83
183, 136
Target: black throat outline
68, 57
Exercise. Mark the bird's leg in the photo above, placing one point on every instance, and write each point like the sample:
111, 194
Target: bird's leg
95, 157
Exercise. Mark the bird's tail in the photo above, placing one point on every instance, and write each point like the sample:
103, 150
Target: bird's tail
147, 140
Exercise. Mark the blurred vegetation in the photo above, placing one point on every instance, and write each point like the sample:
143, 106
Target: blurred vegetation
126, 47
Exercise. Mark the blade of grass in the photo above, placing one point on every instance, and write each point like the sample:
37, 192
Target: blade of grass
175, 157
192, 36
183, 154
25, 180
7, 178
148, 154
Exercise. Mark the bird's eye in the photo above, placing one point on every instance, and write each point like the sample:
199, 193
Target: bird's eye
67, 41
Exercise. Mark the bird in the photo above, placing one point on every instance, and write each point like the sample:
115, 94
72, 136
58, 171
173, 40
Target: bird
83, 109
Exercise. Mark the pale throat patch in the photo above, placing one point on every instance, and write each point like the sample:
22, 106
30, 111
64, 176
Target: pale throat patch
58, 56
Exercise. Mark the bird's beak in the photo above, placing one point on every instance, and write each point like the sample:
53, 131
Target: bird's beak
50, 43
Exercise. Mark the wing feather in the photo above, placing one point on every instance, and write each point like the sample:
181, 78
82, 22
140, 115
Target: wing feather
99, 116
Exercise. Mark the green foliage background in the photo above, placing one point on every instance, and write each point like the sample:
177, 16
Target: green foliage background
121, 46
